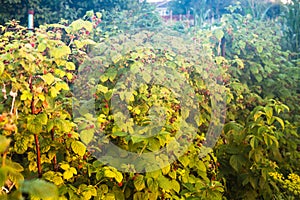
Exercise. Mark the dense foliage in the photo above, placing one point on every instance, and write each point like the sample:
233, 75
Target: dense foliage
64, 88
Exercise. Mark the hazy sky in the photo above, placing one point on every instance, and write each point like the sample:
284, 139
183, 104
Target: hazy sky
284, 1
153, 0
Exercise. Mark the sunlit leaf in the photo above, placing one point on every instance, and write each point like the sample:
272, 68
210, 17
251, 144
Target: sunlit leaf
87, 136
78, 148
70, 66
139, 182
48, 78
4, 143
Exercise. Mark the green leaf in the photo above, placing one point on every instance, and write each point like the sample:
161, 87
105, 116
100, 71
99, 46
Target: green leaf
258, 77
79, 24
254, 69
139, 182
62, 86
60, 52
166, 169
113, 173
175, 186
89, 13
280, 121
4, 143
219, 34
235, 162
242, 44
259, 49
42, 118
116, 58
39, 189
120, 133
103, 78
3, 175
164, 183
81, 43
240, 63
103, 189
201, 166
269, 112
111, 74
184, 160
219, 59
41, 47
254, 142
268, 140
48, 78
139, 196
78, 148
102, 88
152, 184
87, 136
35, 126
99, 15
257, 115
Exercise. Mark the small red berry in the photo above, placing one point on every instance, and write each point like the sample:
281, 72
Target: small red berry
120, 184
69, 135
32, 44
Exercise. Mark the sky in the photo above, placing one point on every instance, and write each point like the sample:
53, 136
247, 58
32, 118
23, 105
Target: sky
284, 1
153, 0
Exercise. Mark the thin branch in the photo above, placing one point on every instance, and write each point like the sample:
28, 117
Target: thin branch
55, 166
36, 137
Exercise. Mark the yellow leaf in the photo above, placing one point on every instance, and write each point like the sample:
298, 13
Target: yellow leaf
65, 166
54, 92
67, 174
1, 68
48, 78
257, 115
70, 66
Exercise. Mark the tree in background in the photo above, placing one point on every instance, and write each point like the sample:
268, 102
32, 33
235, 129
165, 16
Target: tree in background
291, 27
52, 11
215, 7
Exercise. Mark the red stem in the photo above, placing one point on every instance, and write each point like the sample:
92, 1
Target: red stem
55, 166
38, 152
36, 137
